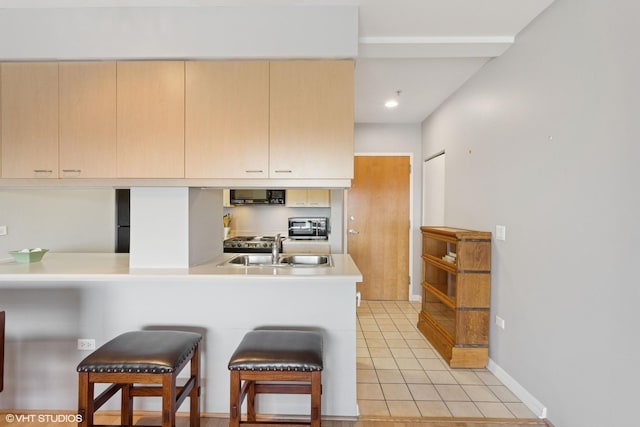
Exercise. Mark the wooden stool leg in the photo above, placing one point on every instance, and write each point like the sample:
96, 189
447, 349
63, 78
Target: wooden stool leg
85, 400
194, 396
316, 398
126, 406
251, 401
168, 400
234, 399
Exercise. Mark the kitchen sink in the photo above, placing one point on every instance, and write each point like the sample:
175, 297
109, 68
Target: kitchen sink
264, 260
311, 260
247, 260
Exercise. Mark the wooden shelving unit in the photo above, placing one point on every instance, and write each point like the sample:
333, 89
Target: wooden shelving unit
456, 294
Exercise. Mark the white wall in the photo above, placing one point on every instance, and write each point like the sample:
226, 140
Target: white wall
184, 31
59, 220
388, 139
544, 140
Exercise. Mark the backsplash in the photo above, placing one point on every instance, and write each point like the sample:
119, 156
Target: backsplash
267, 220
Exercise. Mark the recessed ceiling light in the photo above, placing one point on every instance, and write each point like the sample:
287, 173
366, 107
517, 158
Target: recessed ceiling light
392, 103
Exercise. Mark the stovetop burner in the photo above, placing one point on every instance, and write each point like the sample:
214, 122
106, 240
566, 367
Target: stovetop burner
256, 238
250, 244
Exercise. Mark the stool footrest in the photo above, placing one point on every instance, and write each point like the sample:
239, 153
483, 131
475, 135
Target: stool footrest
154, 391
283, 388
275, 423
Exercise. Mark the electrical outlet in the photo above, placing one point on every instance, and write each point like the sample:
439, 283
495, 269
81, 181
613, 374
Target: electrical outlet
500, 322
3, 230
86, 344
501, 232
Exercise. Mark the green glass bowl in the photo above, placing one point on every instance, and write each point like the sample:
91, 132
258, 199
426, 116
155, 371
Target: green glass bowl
27, 257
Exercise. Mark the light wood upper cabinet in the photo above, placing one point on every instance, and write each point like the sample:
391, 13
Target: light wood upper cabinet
318, 198
177, 119
29, 120
311, 119
150, 119
87, 119
308, 198
227, 119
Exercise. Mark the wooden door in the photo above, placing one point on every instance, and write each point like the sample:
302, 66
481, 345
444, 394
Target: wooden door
311, 119
227, 119
378, 225
29, 120
87, 119
150, 119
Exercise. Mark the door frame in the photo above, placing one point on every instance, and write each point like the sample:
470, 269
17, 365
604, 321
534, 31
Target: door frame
345, 214
437, 197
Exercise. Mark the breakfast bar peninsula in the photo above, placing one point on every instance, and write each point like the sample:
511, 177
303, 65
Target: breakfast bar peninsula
69, 296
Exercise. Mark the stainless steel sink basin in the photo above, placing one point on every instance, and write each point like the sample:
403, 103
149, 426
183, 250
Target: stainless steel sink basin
311, 260
247, 260
264, 260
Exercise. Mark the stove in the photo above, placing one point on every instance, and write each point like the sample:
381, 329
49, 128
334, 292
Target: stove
251, 244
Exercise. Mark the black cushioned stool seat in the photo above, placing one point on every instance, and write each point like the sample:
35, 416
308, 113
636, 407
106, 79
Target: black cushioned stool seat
142, 357
275, 361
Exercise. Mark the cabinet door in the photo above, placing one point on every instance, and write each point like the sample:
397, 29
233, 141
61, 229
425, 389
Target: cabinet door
318, 198
227, 119
87, 119
296, 198
308, 198
29, 120
311, 119
150, 119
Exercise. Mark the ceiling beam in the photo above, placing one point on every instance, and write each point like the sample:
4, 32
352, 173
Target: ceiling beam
433, 47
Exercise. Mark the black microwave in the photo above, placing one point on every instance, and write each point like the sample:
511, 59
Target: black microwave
256, 197
305, 228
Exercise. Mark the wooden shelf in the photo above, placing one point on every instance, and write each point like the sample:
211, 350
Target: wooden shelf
446, 300
440, 263
456, 296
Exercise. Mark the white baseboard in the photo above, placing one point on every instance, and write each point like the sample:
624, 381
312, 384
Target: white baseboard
417, 298
527, 398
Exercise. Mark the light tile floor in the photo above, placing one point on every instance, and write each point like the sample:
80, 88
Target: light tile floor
401, 375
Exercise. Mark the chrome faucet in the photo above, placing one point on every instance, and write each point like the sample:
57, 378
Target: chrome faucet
275, 251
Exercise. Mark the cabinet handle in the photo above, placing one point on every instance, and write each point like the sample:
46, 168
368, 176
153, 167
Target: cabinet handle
43, 170
254, 171
72, 170
283, 171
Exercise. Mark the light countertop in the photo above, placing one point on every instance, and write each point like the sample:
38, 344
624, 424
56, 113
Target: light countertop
115, 267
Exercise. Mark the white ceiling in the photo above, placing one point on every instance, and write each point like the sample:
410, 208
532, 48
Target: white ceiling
424, 48
427, 49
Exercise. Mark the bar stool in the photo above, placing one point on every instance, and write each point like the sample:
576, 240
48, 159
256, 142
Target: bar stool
142, 357
275, 361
